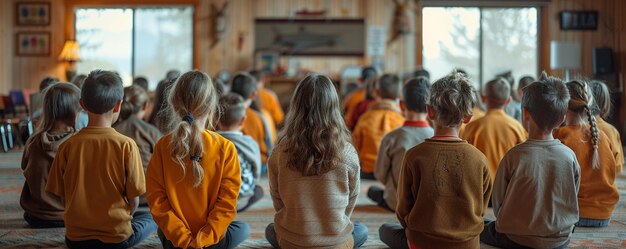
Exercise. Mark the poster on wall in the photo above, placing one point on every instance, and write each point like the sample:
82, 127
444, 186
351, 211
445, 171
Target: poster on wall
33, 44
32, 13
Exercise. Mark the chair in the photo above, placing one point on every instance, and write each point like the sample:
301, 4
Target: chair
19, 103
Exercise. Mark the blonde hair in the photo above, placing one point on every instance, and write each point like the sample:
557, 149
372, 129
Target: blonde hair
315, 135
60, 102
192, 98
581, 100
452, 98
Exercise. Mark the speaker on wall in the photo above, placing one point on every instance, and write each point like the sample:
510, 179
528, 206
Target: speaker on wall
602, 61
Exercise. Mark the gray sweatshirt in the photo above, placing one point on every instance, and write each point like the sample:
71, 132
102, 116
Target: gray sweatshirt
249, 159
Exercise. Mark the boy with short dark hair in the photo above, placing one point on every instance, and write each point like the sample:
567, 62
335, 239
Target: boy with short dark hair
382, 117
395, 144
229, 126
535, 191
98, 172
496, 132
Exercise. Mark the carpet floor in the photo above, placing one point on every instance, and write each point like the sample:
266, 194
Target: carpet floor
14, 232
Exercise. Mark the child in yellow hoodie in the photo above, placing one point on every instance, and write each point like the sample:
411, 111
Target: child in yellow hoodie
193, 179
598, 194
382, 117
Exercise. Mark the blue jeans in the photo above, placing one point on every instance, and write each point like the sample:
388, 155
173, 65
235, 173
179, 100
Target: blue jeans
586, 222
359, 235
142, 223
236, 233
35, 222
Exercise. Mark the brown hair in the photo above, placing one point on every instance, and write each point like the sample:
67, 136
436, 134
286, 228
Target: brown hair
581, 101
60, 102
135, 97
232, 109
192, 97
389, 86
101, 91
315, 135
415, 94
498, 90
451, 97
602, 97
546, 100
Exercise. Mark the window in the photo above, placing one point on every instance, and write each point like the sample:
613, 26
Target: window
482, 41
135, 41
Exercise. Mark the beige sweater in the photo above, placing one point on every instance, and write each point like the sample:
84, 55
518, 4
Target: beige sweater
313, 211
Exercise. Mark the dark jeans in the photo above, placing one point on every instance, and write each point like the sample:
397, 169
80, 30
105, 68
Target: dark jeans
236, 233
142, 223
492, 237
369, 176
392, 234
586, 222
245, 202
359, 235
35, 222
376, 193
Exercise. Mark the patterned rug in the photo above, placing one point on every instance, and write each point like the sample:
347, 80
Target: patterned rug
14, 232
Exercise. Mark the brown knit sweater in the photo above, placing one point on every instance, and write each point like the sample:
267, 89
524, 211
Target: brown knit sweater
443, 193
314, 211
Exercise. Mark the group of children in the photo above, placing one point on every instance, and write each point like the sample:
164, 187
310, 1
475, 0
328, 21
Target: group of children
439, 175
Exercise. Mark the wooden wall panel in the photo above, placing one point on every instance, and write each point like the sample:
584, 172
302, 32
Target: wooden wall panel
6, 46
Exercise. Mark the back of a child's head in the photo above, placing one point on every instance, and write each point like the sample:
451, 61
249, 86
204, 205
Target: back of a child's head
172, 74
451, 98
220, 87
368, 72
508, 76
191, 100
141, 81
60, 103
498, 90
415, 94
581, 102
525, 81
421, 73
233, 109
389, 86
46, 82
79, 80
546, 101
135, 97
315, 132
101, 91
244, 85
256, 74
602, 97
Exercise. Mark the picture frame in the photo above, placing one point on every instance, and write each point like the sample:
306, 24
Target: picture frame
32, 13
266, 61
32, 43
578, 20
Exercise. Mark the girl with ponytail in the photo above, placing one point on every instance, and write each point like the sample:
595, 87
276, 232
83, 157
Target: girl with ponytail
598, 194
193, 179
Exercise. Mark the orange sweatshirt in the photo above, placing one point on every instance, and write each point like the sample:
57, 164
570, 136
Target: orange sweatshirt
478, 113
383, 117
494, 135
616, 141
269, 102
598, 194
351, 102
194, 216
255, 127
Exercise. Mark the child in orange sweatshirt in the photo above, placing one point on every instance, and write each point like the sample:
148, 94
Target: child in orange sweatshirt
444, 184
194, 176
382, 117
601, 110
598, 194
496, 132
351, 101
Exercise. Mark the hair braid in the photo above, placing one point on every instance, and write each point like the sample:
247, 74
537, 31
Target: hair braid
595, 135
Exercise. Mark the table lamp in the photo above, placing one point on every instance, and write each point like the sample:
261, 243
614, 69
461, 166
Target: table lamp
70, 55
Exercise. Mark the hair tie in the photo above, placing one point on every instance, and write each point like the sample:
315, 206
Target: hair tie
188, 118
196, 158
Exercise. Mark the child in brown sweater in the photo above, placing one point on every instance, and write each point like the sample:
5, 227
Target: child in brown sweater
444, 184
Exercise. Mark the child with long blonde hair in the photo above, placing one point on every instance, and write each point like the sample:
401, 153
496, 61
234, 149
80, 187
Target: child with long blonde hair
193, 179
602, 110
59, 111
598, 194
314, 173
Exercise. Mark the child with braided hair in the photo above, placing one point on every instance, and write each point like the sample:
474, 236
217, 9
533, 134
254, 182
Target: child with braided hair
601, 110
598, 194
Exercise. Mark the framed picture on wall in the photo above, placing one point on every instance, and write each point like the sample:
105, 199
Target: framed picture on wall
32, 44
266, 61
32, 13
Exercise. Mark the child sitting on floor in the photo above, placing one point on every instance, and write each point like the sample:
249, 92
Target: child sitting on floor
444, 184
601, 110
98, 173
598, 194
59, 110
393, 146
535, 191
314, 174
194, 175
229, 126
382, 117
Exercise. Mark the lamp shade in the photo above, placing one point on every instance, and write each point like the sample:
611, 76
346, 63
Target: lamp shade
564, 55
70, 51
